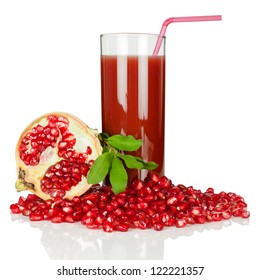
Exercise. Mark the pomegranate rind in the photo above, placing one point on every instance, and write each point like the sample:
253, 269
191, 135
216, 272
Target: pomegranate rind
29, 176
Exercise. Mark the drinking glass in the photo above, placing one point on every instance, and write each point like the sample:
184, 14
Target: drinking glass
133, 93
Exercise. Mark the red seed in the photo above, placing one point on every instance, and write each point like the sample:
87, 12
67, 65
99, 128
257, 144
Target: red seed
180, 223
155, 178
67, 209
119, 212
87, 221
26, 212
142, 205
15, 209
108, 226
150, 197
182, 206
35, 217
138, 185
171, 200
216, 217
53, 212
151, 203
196, 210
170, 222
200, 219
158, 226
93, 226
140, 224
122, 227
69, 219
56, 219
245, 214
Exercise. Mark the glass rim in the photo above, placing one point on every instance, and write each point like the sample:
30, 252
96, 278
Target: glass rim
130, 34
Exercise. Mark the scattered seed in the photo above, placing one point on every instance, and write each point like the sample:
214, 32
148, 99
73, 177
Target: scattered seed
152, 203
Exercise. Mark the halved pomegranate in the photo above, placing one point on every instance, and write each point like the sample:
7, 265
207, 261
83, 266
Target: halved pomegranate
54, 154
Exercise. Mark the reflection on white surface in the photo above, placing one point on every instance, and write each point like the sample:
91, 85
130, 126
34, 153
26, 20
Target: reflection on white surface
76, 242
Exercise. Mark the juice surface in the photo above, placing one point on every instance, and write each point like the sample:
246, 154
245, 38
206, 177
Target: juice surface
133, 103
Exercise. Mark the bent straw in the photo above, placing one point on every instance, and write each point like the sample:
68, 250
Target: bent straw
180, 19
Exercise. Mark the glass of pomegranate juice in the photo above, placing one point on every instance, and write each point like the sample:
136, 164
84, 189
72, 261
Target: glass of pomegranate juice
133, 93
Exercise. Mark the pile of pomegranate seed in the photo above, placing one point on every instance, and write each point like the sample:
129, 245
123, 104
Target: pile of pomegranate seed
152, 203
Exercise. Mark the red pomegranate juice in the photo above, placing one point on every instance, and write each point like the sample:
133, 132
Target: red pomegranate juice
133, 103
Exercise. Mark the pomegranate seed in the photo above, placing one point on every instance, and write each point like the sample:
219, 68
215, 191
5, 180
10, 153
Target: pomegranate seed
142, 205
121, 201
69, 219
76, 200
165, 182
58, 201
35, 217
180, 197
99, 220
108, 226
93, 226
156, 218
158, 226
87, 221
150, 212
92, 214
15, 209
226, 215
119, 212
130, 213
182, 206
200, 219
149, 198
111, 217
138, 185
122, 227
216, 217
151, 203
26, 212
164, 217
161, 208
109, 207
170, 222
155, 178
77, 216
190, 220
140, 224
160, 195
196, 210
56, 219
67, 209
180, 223
53, 212
245, 214
171, 200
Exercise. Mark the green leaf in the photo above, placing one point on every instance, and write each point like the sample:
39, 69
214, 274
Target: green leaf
100, 168
150, 165
131, 161
124, 143
118, 176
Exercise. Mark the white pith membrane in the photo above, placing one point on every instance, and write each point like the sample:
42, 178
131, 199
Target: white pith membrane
30, 175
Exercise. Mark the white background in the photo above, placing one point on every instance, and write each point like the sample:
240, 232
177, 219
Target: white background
49, 61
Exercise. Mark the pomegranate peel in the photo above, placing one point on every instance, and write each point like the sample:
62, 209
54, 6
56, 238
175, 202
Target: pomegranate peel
54, 154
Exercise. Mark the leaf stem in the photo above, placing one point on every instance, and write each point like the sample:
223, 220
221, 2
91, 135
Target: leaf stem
105, 142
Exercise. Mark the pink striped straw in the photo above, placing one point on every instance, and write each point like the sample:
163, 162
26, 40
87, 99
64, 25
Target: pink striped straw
180, 19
